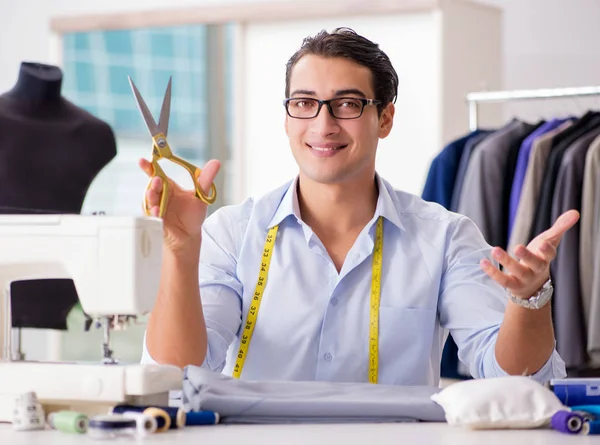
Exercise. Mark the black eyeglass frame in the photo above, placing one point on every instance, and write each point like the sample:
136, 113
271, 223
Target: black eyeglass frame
327, 102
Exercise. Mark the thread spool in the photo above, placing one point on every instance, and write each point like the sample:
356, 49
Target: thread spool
587, 416
163, 421
567, 422
176, 415
591, 428
146, 424
588, 411
68, 421
111, 427
201, 418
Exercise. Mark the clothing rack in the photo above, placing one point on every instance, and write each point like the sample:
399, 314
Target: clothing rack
473, 99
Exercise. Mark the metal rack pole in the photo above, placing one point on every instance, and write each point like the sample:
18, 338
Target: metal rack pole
504, 96
473, 115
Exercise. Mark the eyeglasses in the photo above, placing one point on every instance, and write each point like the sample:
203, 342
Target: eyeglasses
340, 107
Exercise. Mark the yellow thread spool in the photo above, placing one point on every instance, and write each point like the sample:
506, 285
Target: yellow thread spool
159, 414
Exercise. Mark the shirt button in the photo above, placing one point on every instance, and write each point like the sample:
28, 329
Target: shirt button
328, 357
334, 301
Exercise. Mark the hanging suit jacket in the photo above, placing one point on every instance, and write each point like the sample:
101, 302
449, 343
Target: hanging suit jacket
532, 183
543, 213
568, 315
521, 168
589, 261
593, 345
442, 172
484, 185
470, 146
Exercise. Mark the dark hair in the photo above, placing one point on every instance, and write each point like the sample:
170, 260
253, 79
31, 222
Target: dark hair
346, 43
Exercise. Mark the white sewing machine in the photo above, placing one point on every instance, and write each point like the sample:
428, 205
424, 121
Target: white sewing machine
115, 265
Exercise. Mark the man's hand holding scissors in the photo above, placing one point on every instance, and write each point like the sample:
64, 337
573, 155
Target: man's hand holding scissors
184, 213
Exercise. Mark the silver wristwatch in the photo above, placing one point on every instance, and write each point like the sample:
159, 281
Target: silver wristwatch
537, 301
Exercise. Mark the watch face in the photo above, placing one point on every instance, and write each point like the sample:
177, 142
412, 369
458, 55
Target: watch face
543, 297
537, 303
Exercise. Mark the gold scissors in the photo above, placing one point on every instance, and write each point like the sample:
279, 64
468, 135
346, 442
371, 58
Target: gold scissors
161, 149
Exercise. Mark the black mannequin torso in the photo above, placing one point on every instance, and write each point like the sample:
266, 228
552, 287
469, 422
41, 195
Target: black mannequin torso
50, 152
50, 149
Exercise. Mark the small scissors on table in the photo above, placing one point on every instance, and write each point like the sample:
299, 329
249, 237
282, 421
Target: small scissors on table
161, 149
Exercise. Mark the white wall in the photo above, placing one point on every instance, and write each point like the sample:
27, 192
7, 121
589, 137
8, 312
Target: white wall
547, 44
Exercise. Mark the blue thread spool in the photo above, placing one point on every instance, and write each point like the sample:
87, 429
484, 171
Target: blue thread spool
111, 427
567, 422
590, 411
177, 415
591, 428
201, 418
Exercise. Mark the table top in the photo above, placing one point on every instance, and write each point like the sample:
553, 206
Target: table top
439, 433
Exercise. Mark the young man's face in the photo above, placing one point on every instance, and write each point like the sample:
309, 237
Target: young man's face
330, 150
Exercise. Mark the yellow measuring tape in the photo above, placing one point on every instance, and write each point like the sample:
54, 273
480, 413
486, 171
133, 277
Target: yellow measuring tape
374, 306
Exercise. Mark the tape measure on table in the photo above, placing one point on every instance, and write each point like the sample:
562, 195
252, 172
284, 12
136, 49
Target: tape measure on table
262, 282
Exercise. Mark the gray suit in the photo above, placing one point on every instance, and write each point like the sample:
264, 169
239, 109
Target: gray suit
590, 251
589, 226
481, 198
531, 187
568, 314
462, 167
593, 345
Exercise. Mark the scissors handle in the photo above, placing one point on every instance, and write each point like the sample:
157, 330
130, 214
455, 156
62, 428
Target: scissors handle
192, 170
195, 173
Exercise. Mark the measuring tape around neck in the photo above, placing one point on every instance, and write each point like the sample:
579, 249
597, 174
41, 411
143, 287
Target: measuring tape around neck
260, 287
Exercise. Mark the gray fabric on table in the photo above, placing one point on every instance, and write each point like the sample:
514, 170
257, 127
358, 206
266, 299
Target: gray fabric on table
241, 401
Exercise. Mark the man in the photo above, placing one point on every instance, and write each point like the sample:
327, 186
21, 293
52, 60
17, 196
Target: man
337, 276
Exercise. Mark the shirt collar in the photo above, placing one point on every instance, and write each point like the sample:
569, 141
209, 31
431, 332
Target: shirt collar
287, 206
386, 207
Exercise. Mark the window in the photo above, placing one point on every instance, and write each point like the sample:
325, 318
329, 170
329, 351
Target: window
96, 67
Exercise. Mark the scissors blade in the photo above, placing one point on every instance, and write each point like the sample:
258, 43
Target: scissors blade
150, 122
165, 110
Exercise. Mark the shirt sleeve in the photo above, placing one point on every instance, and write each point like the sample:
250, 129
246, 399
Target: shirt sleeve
554, 368
472, 305
220, 288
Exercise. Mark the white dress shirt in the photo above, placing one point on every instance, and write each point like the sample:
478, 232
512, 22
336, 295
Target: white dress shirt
313, 322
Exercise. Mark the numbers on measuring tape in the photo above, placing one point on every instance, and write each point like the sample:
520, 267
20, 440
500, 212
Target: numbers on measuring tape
255, 306
373, 306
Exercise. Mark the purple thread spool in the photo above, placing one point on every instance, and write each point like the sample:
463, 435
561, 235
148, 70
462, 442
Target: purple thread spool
567, 422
